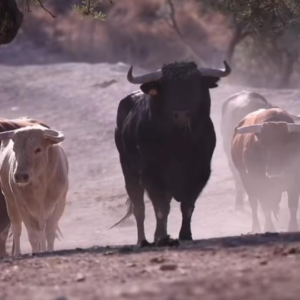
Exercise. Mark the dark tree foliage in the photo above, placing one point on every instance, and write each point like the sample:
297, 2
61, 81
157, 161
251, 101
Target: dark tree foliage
262, 16
11, 17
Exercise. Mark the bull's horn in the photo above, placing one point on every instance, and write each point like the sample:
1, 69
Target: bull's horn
216, 72
293, 127
154, 76
249, 129
22, 118
53, 135
7, 135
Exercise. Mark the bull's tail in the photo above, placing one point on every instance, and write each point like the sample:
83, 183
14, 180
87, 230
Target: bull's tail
59, 234
129, 212
13, 248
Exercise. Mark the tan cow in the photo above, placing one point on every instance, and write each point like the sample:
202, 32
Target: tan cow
34, 181
5, 125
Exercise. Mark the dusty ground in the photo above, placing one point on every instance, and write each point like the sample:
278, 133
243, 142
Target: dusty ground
81, 100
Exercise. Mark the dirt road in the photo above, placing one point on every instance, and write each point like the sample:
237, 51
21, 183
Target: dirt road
81, 100
229, 268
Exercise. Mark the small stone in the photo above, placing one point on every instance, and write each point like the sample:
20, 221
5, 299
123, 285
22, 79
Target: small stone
157, 260
80, 277
131, 265
293, 250
168, 267
109, 253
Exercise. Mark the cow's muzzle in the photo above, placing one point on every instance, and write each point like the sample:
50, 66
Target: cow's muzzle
182, 118
22, 178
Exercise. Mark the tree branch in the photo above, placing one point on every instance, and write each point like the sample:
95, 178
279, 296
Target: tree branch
45, 9
178, 31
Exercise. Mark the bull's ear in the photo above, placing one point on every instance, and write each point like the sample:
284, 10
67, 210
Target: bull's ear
212, 82
150, 88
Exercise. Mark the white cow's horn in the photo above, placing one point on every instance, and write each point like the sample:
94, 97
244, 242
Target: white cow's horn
293, 127
249, 129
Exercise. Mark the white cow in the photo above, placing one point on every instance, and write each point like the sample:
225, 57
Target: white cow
34, 180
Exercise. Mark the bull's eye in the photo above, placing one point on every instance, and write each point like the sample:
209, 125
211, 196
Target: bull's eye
37, 150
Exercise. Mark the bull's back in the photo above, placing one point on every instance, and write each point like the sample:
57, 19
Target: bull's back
237, 107
125, 107
247, 144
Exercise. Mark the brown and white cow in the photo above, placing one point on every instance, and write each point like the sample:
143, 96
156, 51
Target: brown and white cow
34, 181
266, 152
6, 125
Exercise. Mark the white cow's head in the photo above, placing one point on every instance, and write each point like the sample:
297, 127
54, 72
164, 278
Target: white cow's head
30, 146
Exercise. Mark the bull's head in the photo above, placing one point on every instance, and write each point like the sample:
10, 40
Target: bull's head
30, 147
180, 90
280, 145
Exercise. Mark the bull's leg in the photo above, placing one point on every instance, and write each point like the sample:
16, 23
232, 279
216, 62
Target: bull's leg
239, 188
42, 240
293, 201
16, 225
267, 210
239, 198
36, 236
16, 228
50, 236
187, 210
136, 194
3, 238
255, 221
52, 223
161, 204
4, 225
34, 239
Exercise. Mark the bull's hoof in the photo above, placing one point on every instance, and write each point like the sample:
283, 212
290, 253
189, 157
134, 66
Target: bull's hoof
166, 242
145, 243
185, 237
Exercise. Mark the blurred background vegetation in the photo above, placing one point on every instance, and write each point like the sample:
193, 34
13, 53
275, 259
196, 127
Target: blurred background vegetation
260, 38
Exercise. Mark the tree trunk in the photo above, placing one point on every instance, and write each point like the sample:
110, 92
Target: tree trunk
287, 71
11, 19
238, 36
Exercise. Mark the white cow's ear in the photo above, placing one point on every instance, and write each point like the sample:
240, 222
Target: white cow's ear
54, 136
7, 135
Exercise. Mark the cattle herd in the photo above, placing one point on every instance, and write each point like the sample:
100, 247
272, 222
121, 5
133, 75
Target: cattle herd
165, 139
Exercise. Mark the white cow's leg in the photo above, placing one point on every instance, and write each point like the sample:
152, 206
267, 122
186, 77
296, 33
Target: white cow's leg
52, 223
51, 235
16, 228
3, 238
34, 239
37, 239
269, 226
42, 235
16, 224
293, 201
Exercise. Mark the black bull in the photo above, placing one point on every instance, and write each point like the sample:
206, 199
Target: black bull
166, 140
